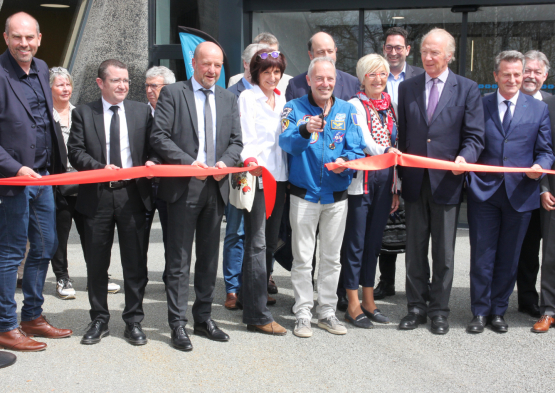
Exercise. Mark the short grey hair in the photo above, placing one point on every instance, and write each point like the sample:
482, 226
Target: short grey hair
60, 71
266, 38
320, 60
509, 56
250, 50
162, 71
450, 45
539, 56
7, 26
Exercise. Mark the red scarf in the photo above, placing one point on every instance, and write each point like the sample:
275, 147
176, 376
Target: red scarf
379, 105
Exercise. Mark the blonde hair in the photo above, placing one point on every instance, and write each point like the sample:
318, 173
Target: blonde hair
369, 63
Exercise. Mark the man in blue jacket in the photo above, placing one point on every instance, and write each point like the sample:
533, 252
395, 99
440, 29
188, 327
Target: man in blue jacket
317, 129
518, 134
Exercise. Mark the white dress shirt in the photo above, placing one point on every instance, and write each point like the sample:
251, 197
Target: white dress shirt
502, 107
126, 160
200, 99
261, 127
440, 84
151, 109
538, 96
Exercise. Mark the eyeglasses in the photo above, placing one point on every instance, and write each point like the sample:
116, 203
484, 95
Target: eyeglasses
398, 48
274, 54
373, 76
117, 81
154, 86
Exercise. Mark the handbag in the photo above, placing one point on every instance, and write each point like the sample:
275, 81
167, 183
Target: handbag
69, 189
242, 187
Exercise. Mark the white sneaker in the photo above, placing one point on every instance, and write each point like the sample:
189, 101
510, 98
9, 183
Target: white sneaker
64, 289
113, 287
332, 325
302, 328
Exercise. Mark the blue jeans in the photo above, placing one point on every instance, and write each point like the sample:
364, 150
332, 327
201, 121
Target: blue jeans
29, 215
233, 248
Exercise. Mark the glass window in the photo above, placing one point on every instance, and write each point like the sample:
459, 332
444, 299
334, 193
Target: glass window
294, 29
417, 22
177, 66
495, 29
170, 14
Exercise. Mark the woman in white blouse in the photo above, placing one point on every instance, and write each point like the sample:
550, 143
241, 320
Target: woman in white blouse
373, 195
260, 109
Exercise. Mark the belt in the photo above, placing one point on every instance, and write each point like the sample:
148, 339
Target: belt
116, 185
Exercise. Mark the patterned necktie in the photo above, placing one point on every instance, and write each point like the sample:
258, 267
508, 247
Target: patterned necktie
115, 149
208, 130
433, 99
508, 117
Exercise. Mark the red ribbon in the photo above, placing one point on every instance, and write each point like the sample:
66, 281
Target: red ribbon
106, 175
383, 161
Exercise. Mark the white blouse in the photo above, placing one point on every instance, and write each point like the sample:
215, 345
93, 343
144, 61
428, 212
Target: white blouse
261, 127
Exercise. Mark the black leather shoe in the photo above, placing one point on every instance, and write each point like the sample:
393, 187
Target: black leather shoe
384, 289
96, 331
180, 339
477, 324
134, 334
440, 325
412, 320
531, 309
498, 324
210, 330
342, 303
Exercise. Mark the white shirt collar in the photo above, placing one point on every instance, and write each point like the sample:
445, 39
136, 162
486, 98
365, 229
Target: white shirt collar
513, 100
151, 109
538, 96
442, 77
106, 105
197, 86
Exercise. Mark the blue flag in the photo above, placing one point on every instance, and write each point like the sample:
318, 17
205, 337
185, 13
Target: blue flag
188, 44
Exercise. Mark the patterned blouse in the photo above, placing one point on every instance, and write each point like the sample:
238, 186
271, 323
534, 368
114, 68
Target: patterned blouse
65, 130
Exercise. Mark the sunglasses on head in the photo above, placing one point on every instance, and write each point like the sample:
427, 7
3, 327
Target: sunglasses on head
274, 54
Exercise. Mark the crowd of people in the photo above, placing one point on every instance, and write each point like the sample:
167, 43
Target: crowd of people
292, 126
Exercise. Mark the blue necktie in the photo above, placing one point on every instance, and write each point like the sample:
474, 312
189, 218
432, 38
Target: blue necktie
508, 117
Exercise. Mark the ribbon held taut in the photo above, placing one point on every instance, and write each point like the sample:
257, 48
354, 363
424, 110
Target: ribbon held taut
107, 175
383, 161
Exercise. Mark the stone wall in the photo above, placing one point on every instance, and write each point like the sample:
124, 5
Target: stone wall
115, 29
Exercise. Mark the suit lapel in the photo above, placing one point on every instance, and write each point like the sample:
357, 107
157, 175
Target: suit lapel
420, 92
98, 120
446, 94
130, 119
520, 109
190, 100
492, 107
14, 82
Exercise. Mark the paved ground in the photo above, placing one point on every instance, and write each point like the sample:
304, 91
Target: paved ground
381, 359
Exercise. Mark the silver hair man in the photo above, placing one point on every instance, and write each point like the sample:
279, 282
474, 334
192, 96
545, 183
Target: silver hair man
536, 68
509, 56
319, 60
450, 45
164, 72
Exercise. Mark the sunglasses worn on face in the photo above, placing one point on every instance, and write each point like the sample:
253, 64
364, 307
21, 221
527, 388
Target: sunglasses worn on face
274, 54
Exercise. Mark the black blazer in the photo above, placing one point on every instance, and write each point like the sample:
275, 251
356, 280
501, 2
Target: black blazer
346, 86
17, 126
87, 148
175, 135
548, 181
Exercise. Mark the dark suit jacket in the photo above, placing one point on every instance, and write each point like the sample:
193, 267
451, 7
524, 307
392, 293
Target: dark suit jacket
175, 135
87, 148
346, 86
237, 88
17, 126
411, 72
548, 181
545, 94
456, 129
527, 142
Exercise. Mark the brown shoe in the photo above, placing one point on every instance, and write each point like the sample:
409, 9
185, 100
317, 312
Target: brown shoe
273, 328
543, 325
231, 301
40, 327
271, 301
17, 340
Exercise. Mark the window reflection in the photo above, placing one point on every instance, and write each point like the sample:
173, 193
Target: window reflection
170, 14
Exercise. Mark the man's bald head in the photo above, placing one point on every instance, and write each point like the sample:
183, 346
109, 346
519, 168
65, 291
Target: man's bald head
322, 45
208, 60
25, 17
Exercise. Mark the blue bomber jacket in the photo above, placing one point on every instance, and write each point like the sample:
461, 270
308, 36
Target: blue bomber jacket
308, 153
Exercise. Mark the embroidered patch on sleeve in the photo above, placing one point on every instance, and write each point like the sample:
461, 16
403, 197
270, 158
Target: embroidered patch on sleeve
337, 125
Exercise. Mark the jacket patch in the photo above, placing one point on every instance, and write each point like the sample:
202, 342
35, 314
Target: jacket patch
314, 137
338, 125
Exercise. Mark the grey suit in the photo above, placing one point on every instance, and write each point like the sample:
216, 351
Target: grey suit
547, 294
193, 205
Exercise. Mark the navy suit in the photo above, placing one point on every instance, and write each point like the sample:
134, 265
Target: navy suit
432, 197
346, 86
500, 205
